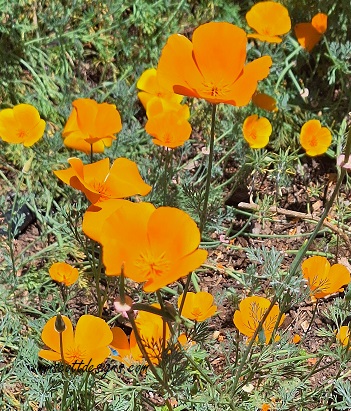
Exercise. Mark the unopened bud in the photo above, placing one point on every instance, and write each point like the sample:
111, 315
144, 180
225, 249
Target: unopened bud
60, 325
27, 165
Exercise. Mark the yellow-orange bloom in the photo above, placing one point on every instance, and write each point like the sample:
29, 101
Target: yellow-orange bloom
250, 313
91, 126
87, 346
257, 131
63, 273
264, 101
270, 20
343, 335
197, 306
322, 278
99, 182
314, 138
123, 350
155, 246
309, 34
152, 90
212, 66
169, 128
21, 125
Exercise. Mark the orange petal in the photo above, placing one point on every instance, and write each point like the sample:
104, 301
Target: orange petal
120, 343
339, 276
49, 355
92, 333
264, 101
87, 110
219, 51
51, 337
307, 35
267, 38
108, 121
320, 22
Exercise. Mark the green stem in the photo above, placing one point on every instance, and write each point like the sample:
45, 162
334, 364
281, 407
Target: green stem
203, 216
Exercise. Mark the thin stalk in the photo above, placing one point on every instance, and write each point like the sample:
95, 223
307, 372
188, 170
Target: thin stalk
203, 216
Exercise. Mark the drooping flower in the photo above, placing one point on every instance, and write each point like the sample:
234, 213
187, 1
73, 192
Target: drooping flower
257, 131
152, 90
155, 246
91, 126
197, 306
270, 20
212, 66
63, 273
99, 182
343, 335
264, 101
250, 313
309, 34
88, 345
21, 125
314, 138
322, 278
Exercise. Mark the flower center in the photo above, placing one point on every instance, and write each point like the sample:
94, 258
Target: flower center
212, 89
152, 266
101, 188
196, 312
313, 141
75, 354
22, 134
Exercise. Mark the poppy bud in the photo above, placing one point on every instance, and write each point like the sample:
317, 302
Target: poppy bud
60, 326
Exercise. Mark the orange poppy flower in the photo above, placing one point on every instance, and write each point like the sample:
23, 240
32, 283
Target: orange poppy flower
343, 335
122, 350
322, 278
197, 306
91, 126
251, 311
156, 246
152, 90
87, 346
212, 66
309, 34
99, 182
314, 138
21, 125
265, 407
264, 101
270, 20
64, 273
169, 128
257, 131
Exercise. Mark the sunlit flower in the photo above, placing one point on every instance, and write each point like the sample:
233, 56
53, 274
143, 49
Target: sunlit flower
264, 101
169, 128
343, 335
197, 306
91, 126
156, 246
265, 407
63, 273
322, 278
149, 84
257, 131
296, 339
314, 138
270, 20
309, 34
21, 125
88, 345
250, 313
99, 182
212, 66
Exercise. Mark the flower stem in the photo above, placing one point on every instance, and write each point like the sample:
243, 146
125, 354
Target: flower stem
203, 216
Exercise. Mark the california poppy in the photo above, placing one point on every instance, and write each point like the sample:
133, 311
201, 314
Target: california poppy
121, 348
309, 34
87, 346
99, 182
314, 138
270, 20
343, 335
257, 131
91, 126
212, 66
250, 313
264, 101
155, 246
322, 278
197, 306
64, 273
21, 125
152, 90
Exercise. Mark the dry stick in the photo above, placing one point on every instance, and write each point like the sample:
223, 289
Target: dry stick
297, 214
